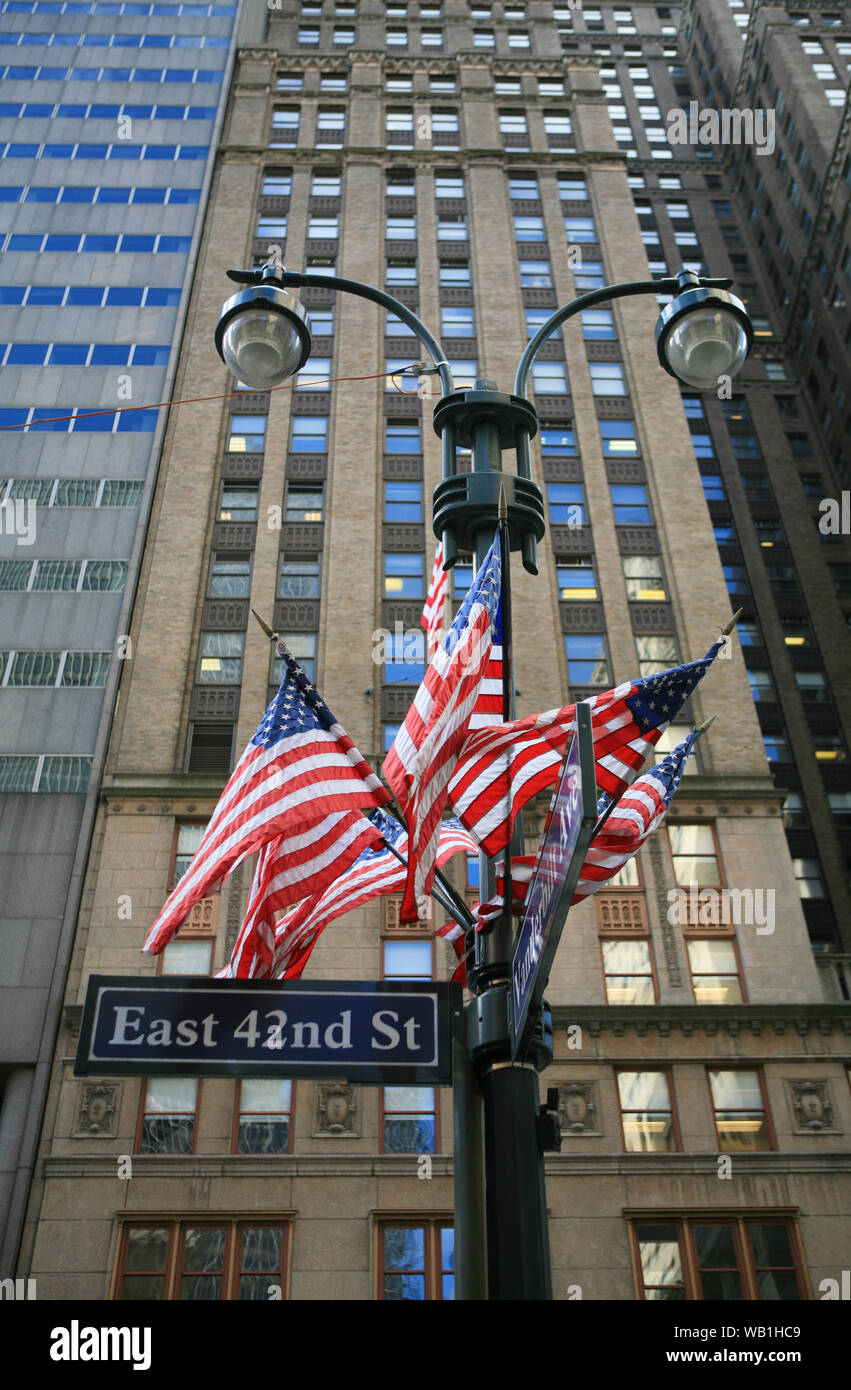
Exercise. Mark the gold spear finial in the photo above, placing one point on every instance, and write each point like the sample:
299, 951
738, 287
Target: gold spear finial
725, 631
273, 636
707, 724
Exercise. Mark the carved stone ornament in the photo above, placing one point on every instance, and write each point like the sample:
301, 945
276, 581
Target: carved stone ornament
577, 1107
336, 1108
98, 1113
811, 1106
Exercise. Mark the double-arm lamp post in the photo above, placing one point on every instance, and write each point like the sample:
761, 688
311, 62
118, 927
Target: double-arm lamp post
703, 334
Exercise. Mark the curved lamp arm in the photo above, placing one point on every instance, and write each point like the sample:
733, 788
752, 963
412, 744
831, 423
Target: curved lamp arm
387, 301
670, 285
425, 336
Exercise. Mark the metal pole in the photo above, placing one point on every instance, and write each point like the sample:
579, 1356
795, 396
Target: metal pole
471, 1273
518, 1252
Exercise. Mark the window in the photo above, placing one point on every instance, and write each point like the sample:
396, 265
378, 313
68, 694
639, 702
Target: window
808, 876
741, 1118
597, 324
187, 1260
548, 377
607, 379
407, 960
277, 183
403, 576
586, 658
404, 665
305, 502
247, 434
230, 575
310, 434
402, 437
457, 323
628, 972
299, 577
416, 1260
452, 228
519, 38
694, 855
644, 579
535, 275
618, 438
239, 502
483, 38
714, 970
717, 1257
629, 502
263, 1115
762, 685
557, 439
448, 185
647, 1113
221, 658
410, 1115
580, 229
588, 275
269, 227
575, 577
403, 502
186, 958
167, 1116
529, 229
302, 646
566, 504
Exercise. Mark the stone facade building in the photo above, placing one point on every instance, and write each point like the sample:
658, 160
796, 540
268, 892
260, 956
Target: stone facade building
486, 163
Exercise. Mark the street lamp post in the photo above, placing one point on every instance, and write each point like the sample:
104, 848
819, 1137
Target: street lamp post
702, 335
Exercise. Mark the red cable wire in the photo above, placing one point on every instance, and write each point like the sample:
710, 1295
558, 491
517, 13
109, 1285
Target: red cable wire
194, 400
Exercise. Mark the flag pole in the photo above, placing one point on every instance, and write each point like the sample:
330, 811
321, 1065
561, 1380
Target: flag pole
449, 899
507, 675
701, 729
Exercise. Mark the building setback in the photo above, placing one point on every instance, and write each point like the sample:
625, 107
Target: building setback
485, 164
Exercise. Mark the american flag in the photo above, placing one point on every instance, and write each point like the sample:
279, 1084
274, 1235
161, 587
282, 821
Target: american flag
500, 769
374, 873
300, 774
434, 611
456, 936
639, 812
425, 750
283, 870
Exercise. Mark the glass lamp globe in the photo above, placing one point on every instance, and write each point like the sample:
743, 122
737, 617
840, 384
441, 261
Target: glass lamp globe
263, 336
703, 335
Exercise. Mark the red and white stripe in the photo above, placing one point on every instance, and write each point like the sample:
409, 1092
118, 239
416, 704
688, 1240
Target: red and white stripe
284, 789
285, 867
639, 812
434, 610
500, 769
296, 934
456, 935
425, 750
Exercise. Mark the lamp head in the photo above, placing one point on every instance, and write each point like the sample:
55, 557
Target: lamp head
703, 334
263, 333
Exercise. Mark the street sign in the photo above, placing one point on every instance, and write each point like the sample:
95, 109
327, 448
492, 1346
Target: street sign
573, 815
354, 1030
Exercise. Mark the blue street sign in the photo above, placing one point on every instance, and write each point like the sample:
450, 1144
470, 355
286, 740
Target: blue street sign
573, 815
383, 1032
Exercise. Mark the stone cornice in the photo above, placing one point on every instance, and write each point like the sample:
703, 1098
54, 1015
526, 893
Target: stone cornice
160, 1166
663, 1019
133, 785
352, 1165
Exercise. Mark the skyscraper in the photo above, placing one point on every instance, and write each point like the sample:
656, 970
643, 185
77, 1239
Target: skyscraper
107, 156
486, 163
